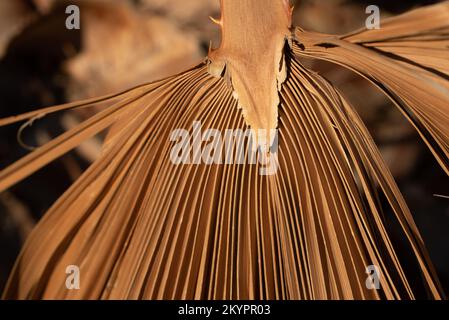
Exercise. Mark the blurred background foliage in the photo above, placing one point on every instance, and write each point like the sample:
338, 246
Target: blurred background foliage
123, 43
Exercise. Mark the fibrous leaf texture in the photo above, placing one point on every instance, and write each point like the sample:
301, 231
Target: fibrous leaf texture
141, 227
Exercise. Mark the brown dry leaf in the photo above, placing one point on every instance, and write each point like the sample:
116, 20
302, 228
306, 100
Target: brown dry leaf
253, 61
141, 227
407, 59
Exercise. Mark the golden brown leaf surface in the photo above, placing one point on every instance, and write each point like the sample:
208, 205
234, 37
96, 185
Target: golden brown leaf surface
141, 227
251, 52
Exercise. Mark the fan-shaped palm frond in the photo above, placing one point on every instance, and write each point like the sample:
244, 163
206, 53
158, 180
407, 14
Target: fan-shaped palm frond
140, 226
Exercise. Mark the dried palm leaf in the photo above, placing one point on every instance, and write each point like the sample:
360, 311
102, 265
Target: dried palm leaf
141, 227
407, 59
